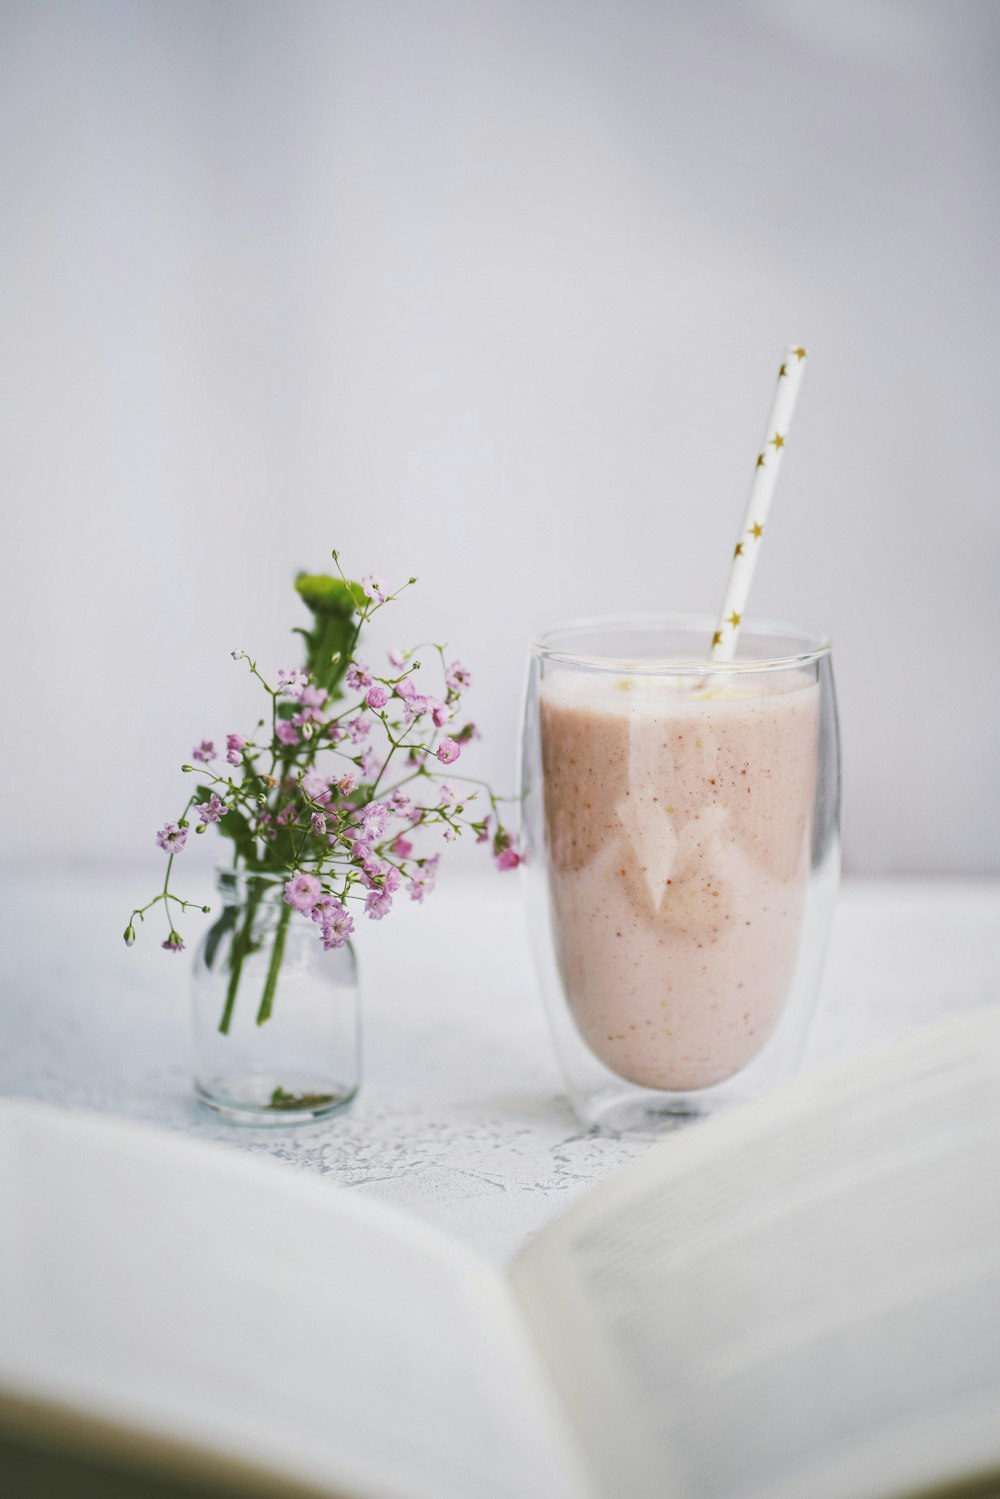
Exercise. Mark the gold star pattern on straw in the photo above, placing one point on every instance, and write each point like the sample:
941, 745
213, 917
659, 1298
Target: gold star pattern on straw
746, 553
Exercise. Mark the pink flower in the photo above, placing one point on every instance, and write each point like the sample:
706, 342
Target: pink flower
234, 748
319, 824
315, 786
484, 833
173, 943
347, 783
358, 677
450, 835
401, 804
423, 880
507, 859
375, 819
405, 689
359, 728
338, 924
396, 659
467, 732
374, 588
378, 904
286, 732
448, 751
171, 838
287, 814
402, 847
313, 697
291, 683
372, 873
439, 712
393, 880
458, 678
335, 733
204, 752
212, 810
303, 892
448, 794
377, 698
308, 714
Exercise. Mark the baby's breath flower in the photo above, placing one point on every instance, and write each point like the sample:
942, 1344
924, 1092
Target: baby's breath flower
291, 806
458, 678
291, 683
212, 811
374, 588
171, 838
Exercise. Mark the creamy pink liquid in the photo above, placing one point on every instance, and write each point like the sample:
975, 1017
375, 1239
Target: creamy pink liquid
679, 830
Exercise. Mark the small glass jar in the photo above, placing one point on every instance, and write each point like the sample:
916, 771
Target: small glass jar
681, 857
276, 1018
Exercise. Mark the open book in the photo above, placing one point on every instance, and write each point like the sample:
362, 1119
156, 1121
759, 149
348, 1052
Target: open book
798, 1300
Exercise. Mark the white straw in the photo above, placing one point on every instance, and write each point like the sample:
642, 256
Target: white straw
765, 478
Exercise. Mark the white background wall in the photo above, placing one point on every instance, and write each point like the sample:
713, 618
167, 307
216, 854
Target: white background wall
492, 293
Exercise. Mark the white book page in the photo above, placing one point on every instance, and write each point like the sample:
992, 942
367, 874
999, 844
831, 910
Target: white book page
241, 1309
800, 1298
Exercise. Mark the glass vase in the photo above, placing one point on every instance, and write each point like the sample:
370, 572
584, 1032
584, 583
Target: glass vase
276, 1018
681, 859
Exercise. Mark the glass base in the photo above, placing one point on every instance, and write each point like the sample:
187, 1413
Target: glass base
273, 1098
644, 1113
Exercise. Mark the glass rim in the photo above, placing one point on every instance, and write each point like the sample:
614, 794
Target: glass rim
816, 645
228, 878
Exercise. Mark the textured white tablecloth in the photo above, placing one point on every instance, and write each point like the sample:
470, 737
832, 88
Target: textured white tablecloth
460, 1118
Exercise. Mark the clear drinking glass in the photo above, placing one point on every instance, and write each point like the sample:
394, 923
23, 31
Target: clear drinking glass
681, 858
277, 1025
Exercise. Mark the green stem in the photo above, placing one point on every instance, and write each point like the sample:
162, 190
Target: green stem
239, 950
277, 953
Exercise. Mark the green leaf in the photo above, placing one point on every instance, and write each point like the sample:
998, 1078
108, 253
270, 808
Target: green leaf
334, 605
235, 826
225, 923
325, 595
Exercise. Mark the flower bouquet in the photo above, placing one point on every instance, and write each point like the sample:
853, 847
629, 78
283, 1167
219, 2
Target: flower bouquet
332, 806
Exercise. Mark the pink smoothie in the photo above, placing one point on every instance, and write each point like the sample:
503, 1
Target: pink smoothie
679, 825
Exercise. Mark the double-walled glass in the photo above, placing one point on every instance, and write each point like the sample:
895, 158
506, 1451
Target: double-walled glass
681, 842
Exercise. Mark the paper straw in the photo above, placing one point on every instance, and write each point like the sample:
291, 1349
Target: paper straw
765, 478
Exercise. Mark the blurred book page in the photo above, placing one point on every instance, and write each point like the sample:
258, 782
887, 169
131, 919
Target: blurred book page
802, 1297
229, 1304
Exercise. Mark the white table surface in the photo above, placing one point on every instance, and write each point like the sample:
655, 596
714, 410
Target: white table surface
460, 1118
